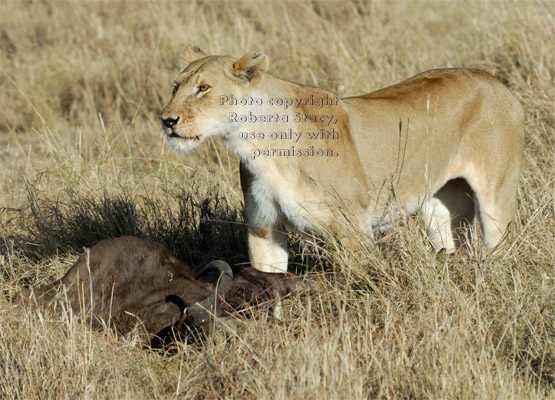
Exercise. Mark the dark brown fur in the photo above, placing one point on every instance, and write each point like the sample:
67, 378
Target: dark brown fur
131, 279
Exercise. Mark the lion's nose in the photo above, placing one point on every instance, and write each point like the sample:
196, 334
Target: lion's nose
169, 122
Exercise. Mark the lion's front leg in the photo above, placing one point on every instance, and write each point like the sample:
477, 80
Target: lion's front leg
267, 242
268, 249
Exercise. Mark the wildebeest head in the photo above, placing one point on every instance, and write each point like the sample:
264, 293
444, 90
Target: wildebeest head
196, 320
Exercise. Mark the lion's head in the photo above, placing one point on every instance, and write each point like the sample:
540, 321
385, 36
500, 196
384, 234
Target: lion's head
195, 111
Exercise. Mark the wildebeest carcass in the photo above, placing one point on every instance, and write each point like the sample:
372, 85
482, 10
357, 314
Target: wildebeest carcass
132, 283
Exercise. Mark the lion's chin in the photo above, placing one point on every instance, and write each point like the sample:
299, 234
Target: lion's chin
181, 145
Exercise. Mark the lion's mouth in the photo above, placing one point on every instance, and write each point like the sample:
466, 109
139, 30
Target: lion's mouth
176, 136
173, 135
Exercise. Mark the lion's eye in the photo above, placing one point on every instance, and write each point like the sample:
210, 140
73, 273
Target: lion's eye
175, 87
203, 88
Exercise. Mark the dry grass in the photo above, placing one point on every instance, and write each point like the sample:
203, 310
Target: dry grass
83, 158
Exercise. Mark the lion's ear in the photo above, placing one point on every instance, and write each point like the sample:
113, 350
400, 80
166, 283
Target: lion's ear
193, 53
250, 65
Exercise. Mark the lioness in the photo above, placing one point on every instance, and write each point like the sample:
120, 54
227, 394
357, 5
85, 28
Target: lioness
446, 142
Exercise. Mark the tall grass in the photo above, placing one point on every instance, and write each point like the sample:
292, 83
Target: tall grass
82, 158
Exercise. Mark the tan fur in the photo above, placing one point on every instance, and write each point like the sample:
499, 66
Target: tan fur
445, 142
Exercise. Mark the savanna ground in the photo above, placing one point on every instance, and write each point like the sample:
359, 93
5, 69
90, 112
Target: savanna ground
83, 159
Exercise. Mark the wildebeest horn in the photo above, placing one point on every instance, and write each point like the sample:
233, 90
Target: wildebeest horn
175, 332
178, 301
223, 284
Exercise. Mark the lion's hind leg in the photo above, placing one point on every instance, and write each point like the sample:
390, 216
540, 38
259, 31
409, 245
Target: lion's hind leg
496, 196
496, 210
448, 214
